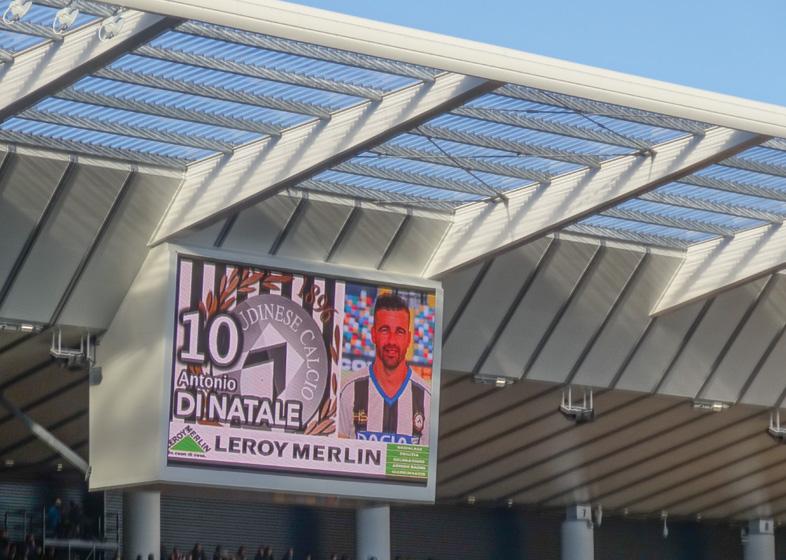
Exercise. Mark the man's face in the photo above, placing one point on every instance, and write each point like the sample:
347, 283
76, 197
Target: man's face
391, 336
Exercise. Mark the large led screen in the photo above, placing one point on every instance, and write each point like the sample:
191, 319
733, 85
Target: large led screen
279, 370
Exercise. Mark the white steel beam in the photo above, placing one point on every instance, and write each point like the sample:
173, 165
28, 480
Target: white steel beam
716, 266
483, 229
46, 437
471, 58
219, 186
49, 67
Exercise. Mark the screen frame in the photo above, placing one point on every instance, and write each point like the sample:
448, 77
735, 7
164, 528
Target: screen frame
289, 482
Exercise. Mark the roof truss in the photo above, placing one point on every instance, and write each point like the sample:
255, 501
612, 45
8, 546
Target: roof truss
451, 54
481, 229
217, 187
713, 267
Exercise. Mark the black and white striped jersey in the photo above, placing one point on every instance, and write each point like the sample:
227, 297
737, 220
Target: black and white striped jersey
367, 413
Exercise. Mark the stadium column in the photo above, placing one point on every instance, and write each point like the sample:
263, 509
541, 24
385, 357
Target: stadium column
372, 533
577, 534
760, 541
142, 524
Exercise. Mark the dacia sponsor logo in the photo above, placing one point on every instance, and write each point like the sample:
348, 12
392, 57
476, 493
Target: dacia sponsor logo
384, 437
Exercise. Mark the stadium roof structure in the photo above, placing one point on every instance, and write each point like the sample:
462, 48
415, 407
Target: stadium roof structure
273, 128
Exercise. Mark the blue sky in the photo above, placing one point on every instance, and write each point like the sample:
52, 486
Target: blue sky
725, 46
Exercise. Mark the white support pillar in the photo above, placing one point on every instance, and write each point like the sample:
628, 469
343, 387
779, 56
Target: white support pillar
372, 533
760, 542
141, 524
578, 541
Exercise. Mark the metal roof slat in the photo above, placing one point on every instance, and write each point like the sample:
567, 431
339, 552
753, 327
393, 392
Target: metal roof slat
91, 149
494, 166
755, 166
308, 50
775, 144
734, 187
128, 130
414, 178
519, 148
134, 105
502, 116
631, 236
6, 57
286, 77
372, 195
712, 206
193, 88
581, 105
669, 221
33, 29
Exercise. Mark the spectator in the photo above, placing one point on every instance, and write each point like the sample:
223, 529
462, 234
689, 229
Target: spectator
260, 554
289, 554
175, 555
74, 520
268, 553
30, 548
54, 518
217, 553
241, 553
198, 553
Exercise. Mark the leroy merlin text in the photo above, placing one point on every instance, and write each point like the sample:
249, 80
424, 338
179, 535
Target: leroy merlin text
299, 451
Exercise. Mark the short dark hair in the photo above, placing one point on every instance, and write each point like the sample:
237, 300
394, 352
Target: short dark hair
390, 302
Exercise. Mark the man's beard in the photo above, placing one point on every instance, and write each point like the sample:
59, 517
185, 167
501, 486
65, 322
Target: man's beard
391, 357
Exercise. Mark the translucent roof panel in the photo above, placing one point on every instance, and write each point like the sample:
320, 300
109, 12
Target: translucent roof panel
187, 76
723, 202
15, 42
527, 138
101, 92
744, 181
96, 138
394, 187
693, 219
659, 235
283, 62
439, 149
113, 118
603, 128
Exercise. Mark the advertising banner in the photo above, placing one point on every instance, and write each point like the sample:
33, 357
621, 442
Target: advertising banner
279, 370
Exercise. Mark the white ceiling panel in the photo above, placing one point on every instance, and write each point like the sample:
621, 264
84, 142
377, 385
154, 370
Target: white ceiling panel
767, 387
415, 244
493, 297
693, 365
64, 239
657, 350
457, 286
367, 238
256, 228
530, 320
313, 230
26, 185
739, 363
628, 322
120, 253
585, 314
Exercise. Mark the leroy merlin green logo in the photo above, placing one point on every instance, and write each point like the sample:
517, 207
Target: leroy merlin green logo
188, 442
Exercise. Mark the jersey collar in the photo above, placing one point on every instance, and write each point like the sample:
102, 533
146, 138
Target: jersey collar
394, 398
